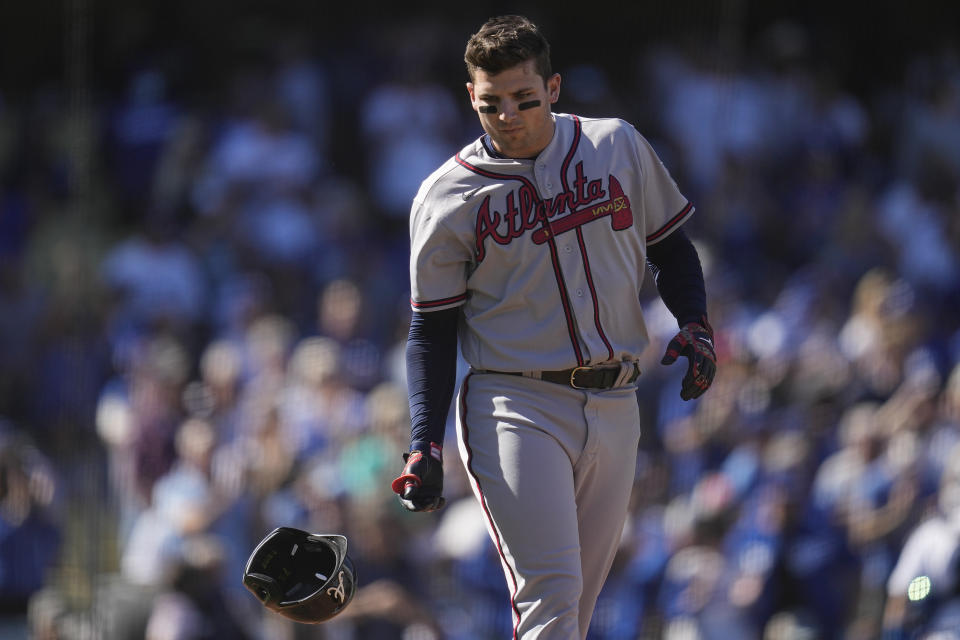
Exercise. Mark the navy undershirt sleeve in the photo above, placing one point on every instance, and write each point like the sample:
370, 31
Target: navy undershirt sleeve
679, 277
431, 374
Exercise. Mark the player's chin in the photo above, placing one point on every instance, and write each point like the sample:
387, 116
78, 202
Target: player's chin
509, 136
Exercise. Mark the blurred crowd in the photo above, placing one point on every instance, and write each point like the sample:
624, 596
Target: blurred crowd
205, 303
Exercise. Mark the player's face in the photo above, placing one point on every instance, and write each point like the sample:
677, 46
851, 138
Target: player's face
514, 108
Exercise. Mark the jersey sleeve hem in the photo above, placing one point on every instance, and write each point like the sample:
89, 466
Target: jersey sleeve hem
671, 224
437, 305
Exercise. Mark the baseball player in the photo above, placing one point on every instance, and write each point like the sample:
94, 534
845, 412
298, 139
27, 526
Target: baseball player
530, 246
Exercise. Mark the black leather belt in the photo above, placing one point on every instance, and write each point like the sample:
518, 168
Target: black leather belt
601, 377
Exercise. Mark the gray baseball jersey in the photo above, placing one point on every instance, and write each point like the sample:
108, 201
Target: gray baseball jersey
509, 239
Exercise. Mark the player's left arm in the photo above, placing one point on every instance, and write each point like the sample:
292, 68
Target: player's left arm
679, 277
677, 271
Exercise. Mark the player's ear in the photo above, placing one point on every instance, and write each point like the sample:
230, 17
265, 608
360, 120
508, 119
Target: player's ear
473, 95
553, 88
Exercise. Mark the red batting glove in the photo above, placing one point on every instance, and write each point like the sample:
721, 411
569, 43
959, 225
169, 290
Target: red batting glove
695, 342
420, 484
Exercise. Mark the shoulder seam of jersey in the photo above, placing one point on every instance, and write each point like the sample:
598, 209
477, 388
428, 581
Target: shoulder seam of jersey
437, 176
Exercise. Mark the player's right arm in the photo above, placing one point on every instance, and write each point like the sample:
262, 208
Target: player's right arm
438, 265
431, 370
431, 357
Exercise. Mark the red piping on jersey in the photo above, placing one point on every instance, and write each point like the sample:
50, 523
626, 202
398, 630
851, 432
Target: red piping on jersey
662, 231
541, 211
464, 433
593, 292
569, 158
430, 304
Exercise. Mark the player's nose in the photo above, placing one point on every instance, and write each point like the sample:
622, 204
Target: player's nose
508, 111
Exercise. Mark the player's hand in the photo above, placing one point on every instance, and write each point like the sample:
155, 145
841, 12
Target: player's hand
420, 484
695, 341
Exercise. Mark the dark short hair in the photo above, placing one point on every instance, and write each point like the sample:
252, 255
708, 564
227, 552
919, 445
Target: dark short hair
504, 42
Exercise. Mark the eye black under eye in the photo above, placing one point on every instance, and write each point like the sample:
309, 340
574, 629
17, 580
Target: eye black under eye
530, 104
487, 108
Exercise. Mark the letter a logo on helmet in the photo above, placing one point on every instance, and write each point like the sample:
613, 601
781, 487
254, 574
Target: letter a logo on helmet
303, 576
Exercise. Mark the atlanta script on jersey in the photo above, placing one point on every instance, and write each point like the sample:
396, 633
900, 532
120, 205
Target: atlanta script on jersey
547, 256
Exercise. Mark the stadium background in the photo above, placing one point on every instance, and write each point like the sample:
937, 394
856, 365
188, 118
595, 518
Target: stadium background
203, 301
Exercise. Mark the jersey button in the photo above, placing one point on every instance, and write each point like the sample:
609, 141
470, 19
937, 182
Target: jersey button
580, 292
566, 248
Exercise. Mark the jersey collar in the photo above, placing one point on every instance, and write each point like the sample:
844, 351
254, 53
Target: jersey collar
493, 154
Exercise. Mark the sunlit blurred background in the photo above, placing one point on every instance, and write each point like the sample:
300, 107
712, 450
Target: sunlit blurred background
204, 302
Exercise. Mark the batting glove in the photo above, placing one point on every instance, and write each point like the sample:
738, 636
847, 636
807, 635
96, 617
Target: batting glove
695, 341
420, 484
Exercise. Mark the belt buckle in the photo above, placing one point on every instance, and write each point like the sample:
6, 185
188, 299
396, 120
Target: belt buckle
573, 374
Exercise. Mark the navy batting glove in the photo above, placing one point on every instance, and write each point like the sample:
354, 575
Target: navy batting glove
695, 342
420, 484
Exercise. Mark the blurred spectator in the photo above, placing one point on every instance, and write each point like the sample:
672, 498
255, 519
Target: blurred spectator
303, 88
367, 460
137, 417
343, 316
929, 138
922, 588
409, 124
20, 324
139, 128
183, 502
31, 529
192, 606
319, 410
914, 218
156, 279
258, 153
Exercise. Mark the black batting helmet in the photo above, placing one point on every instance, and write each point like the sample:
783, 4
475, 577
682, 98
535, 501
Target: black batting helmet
303, 576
